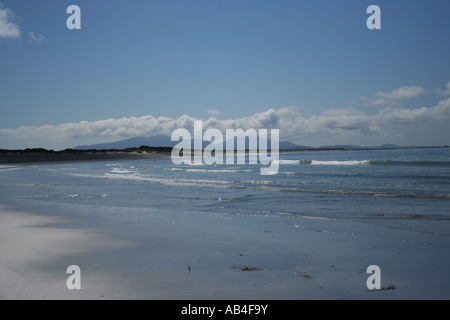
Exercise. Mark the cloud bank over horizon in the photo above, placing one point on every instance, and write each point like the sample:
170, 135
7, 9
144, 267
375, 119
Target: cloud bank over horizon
292, 123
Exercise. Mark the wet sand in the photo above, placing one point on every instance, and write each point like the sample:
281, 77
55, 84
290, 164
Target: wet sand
195, 256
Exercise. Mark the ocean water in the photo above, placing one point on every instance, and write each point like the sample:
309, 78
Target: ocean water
406, 189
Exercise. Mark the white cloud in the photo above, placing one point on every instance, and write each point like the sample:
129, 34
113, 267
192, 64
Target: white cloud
290, 121
390, 98
440, 111
446, 91
35, 38
8, 23
213, 112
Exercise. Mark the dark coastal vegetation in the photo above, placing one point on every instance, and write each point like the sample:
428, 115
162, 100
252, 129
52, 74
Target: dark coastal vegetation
39, 155
141, 149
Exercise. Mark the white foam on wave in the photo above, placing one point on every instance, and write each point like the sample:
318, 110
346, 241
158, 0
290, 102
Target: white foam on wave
259, 181
210, 170
341, 163
144, 178
113, 164
218, 170
321, 162
121, 171
286, 161
7, 168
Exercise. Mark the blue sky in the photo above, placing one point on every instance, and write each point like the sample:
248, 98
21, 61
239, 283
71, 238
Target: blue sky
310, 68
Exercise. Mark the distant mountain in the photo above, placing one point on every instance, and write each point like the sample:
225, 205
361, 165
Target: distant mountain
389, 146
154, 141
353, 147
342, 146
165, 141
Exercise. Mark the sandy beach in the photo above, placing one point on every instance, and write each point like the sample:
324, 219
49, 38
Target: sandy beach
193, 256
32, 247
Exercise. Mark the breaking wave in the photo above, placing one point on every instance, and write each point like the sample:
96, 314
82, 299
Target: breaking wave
364, 162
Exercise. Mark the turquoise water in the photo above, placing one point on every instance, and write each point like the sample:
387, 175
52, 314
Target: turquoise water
407, 188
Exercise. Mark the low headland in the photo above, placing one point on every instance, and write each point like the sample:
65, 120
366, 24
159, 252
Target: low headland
40, 155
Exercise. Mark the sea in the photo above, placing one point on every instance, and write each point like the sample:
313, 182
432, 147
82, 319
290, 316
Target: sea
406, 189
